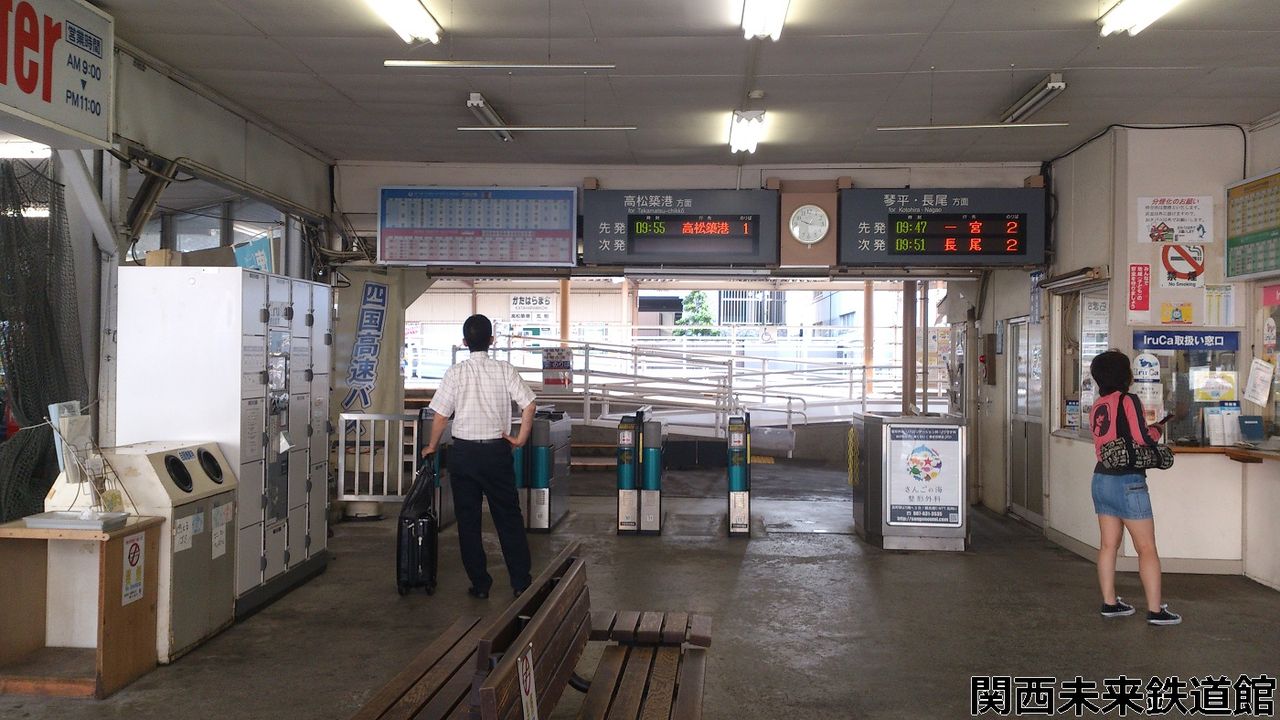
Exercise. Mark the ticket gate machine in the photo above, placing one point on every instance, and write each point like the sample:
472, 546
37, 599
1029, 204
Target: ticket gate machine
652, 438
739, 471
629, 432
542, 471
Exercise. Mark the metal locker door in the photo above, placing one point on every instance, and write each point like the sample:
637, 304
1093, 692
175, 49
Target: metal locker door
253, 364
253, 299
1035, 473
322, 330
275, 545
298, 469
299, 418
279, 302
249, 494
318, 509
248, 558
299, 364
297, 536
253, 429
319, 440
1018, 465
301, 309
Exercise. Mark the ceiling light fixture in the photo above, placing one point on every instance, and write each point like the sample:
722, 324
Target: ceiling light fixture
1133, 16
745, 130
487, 65
764, 18
972, 126
544, 128
24, 150
489, 118
409, 18
1037, 97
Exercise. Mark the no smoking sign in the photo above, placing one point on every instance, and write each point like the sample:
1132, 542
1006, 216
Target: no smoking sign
1182, 266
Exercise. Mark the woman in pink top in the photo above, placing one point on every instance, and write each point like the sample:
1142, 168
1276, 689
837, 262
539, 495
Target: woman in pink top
1120, 496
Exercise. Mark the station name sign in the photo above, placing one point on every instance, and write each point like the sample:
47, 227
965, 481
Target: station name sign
710, 228
942, 227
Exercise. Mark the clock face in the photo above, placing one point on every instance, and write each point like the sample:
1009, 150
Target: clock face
809, 224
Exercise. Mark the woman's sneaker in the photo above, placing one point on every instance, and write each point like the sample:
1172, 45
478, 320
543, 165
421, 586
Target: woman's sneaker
1164, 617
1119, 609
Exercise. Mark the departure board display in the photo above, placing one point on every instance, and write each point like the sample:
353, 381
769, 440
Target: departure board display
942, 227
958, 234
651, 228
478, 226
662, 234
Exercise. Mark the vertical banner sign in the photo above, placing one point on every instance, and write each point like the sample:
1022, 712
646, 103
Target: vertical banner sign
528, 689
1175, 219
557, 367
56, 58
134, 568
925, 471
1139, 294
362, 376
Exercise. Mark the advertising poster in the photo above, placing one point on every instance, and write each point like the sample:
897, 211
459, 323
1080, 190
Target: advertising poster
1176, 313
1175, 219
1213, 385
1139, 293
1147, 386
924, 469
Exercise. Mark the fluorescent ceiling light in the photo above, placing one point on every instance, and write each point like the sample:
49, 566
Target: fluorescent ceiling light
746, 130
489, 118
1134, 16
544, 128
24, 150
972, 126
487, 65
409, 18
1037, 97
764, 18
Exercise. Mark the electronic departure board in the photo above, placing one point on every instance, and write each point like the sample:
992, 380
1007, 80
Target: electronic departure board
478, 226
942, 227
963, 234
710, 228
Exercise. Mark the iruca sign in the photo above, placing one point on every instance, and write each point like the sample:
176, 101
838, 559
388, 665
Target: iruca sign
56, 58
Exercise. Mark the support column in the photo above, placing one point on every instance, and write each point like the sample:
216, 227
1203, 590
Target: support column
564, 310
868, 334
908, 346
924, 347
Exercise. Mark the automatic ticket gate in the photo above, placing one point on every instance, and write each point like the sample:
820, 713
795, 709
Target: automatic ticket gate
542, 471
640, 444
739, 471
443, 496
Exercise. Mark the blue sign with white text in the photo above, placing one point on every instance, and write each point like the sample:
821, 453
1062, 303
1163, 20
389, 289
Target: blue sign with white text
1185, 340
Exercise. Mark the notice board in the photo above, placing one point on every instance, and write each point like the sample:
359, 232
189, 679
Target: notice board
1253, 227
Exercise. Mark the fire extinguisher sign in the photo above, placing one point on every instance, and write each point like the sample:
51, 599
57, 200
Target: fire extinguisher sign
528, 691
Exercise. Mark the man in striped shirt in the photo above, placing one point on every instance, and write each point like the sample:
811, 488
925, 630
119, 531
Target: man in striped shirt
478, 393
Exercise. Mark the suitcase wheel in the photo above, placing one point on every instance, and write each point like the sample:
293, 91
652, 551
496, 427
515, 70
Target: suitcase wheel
402, 589
431, 589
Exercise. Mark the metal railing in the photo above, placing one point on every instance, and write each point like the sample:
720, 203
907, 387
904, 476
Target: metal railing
376, 456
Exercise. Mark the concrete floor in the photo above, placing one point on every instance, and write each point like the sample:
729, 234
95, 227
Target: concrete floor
809, 621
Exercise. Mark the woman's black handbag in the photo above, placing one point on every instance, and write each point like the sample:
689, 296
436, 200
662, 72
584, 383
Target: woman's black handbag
1125, 454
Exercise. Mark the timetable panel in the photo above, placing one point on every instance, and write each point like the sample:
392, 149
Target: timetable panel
478, 226
1253, 227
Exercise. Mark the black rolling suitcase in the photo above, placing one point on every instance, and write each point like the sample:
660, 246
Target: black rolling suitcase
417, 534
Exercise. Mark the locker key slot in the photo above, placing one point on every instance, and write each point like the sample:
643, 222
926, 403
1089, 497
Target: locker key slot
266, 315
288, 312
311, 319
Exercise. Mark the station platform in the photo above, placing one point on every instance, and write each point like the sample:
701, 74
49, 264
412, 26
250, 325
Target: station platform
809, 621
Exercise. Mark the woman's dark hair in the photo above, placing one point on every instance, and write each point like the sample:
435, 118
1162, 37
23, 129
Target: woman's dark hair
477, 332
1112, 372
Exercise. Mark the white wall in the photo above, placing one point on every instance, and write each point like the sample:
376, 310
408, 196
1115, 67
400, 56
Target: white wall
172, 120
1008, 296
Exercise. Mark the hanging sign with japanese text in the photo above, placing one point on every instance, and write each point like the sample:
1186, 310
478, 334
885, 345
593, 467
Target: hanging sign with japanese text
1175, 219
647, 228
959, 227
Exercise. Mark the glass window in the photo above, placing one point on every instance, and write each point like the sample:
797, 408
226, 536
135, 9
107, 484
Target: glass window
198, 230
1085, 334
251, 219
1190, 382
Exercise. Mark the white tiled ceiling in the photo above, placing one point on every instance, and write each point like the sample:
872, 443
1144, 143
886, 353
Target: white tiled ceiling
843, 67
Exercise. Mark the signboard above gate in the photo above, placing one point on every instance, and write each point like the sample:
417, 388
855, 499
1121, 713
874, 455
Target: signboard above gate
647, 228
956, 227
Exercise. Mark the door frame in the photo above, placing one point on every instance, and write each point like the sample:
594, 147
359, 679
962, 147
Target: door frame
1011, 414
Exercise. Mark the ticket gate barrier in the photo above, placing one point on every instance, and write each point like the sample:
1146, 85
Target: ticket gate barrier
542, 471
444, 489
630, 429
651, 441
739, 472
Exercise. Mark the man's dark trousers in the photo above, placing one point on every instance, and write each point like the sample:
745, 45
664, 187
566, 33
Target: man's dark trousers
479, 469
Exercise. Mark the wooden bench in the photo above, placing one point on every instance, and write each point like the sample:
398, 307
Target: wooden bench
653, 667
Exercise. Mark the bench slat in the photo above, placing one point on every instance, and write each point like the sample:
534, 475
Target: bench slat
700, 630
626, 705
624, 627
601, 624
662, 685
386, 697
502, 631
596, 704
440, 687
454, 696
560, 680
688, 702
674, 627
650, 630
500, 692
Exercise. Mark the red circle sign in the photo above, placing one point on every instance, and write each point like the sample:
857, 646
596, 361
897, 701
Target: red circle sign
135, 554
1184, 262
